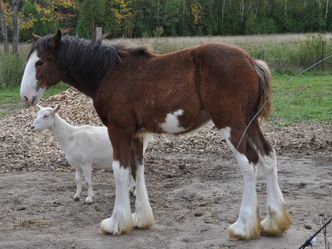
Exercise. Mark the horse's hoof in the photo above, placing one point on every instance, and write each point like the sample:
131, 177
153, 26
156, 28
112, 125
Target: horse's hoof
116, 227
143, 221
275, 224
243, 231
88, 201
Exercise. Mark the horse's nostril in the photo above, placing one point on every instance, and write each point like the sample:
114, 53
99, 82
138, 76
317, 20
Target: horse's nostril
33, 99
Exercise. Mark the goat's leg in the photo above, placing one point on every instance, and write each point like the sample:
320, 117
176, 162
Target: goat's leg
87, 172
78, 176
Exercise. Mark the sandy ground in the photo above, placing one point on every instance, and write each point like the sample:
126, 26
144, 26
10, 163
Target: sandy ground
194, 198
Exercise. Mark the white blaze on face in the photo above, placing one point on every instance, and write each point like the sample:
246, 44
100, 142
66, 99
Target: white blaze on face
29, 91
171, 124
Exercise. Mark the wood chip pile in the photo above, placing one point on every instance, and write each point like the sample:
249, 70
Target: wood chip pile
23, 150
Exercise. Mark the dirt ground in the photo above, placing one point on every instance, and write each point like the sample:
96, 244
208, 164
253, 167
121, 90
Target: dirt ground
194, 185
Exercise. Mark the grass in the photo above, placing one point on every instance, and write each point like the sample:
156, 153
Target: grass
306, 98
10, 97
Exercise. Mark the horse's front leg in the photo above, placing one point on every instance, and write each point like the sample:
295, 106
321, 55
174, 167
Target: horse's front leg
143, 216
121, 220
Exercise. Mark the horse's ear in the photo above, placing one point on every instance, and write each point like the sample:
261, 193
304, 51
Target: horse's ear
35, 37
56, 108
55, 41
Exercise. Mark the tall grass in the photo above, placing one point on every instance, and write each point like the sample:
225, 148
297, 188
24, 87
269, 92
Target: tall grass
283, 56
11, 69
295, 56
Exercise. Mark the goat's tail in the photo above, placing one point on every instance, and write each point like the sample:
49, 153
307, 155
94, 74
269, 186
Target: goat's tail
264, 74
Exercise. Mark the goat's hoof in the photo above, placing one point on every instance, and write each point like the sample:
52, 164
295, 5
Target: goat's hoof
76, 198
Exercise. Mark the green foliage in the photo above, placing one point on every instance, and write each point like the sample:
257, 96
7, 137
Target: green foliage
139, 18
11, 69
38, 22
91, 14
43, 17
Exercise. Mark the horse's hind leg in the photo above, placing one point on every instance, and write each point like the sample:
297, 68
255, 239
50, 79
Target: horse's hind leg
277, 219
247, 225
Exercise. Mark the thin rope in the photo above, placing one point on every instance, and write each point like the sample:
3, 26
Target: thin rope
269, 97
309, 241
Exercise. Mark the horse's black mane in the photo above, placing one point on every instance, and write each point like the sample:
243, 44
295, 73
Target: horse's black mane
89, 61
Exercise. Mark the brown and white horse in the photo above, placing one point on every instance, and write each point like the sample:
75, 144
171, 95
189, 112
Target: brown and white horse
136, 92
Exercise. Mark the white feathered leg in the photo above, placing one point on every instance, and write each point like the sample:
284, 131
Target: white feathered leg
277, 219
143, 216
121, 220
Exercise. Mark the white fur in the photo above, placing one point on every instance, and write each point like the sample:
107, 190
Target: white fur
274, 195
121, 219
85, 147
171, 124
247, 218
143, 216
29, 91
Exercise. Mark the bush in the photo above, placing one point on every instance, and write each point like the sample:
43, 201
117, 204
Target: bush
11, 69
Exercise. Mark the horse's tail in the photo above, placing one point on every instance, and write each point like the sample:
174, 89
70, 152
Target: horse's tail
264, 74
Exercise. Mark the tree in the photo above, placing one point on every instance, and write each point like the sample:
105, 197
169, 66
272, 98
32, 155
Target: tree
15, 9
3, 25
46, 16
90, 15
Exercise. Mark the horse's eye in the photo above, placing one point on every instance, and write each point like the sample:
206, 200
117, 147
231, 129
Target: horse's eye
39, 63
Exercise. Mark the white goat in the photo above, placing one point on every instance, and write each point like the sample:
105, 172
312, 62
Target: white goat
85, 147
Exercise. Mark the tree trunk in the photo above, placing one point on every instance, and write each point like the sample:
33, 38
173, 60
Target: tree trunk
257, 7
3, 28
242, 15
222, 12
15, 5
326, 10
183, 15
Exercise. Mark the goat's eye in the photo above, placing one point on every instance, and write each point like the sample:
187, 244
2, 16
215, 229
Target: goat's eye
46, 116
39, 63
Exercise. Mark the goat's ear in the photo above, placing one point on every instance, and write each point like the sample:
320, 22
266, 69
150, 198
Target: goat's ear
39, 107
56, 108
